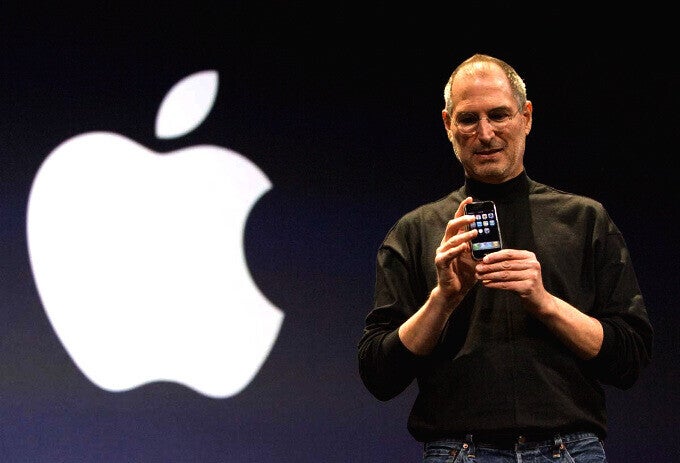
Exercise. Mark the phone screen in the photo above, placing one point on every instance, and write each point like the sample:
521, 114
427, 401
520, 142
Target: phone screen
488, 237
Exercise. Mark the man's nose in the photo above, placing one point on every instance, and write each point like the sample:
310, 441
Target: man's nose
484, 128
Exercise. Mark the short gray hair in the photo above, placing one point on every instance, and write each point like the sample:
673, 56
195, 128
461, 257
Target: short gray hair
519, 89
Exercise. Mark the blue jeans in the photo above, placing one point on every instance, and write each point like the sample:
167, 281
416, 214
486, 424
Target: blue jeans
568, 448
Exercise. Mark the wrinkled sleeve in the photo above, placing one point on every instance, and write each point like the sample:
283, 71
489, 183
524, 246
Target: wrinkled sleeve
386, 367
628, 335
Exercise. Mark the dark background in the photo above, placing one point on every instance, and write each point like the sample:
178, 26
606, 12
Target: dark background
339, 105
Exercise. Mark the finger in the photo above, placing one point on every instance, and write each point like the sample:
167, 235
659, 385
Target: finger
446, 254
457, 239
457, 226
461, 207
508, 254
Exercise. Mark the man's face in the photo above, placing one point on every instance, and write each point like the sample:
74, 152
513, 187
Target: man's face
486, 127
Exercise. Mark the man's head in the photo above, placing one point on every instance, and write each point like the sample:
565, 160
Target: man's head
487, 117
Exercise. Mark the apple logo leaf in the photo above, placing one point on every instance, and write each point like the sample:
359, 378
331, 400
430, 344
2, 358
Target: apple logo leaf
187, 104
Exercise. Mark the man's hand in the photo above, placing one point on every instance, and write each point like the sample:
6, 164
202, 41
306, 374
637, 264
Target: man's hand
455, 276
518, 271
454, 263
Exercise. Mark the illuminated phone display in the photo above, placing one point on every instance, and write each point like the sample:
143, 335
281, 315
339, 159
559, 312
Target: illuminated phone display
488, 238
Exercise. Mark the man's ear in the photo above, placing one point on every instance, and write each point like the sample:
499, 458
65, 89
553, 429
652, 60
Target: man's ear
529, 111
447, 124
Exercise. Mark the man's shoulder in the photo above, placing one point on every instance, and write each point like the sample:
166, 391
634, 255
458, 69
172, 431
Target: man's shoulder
428, 218
543, 192
440, 209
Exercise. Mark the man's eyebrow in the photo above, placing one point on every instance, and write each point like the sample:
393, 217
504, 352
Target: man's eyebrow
495, 108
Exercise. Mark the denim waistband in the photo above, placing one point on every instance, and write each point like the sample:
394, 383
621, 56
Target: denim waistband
519, 440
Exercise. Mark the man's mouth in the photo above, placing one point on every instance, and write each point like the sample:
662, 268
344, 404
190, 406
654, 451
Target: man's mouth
488, 152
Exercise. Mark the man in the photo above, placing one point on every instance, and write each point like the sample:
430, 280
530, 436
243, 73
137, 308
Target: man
509, 352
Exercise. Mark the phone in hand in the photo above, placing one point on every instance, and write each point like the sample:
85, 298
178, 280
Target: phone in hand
488, 237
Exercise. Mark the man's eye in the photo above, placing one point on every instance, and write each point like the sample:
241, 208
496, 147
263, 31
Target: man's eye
468, 120
498, 116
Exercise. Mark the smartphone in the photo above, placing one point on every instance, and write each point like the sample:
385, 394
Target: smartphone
488, 237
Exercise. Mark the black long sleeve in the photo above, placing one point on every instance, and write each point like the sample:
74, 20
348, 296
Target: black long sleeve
496, 368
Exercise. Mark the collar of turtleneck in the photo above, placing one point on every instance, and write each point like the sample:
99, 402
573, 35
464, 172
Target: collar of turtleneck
518, 186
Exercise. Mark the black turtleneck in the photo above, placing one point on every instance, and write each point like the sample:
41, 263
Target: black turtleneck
497, 369
506, 191
512, 205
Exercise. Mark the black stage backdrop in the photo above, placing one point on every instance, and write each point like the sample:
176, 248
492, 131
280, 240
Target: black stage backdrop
339, 106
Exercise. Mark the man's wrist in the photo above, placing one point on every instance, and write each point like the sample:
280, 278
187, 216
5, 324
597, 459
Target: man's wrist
444, 300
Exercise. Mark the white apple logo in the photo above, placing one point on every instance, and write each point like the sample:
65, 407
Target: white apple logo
138, 256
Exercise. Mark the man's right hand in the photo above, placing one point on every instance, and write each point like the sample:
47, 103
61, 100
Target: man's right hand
455, 276
454, 263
